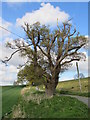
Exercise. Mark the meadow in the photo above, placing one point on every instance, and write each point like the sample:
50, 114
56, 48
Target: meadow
72, 87
10, 97
27, 102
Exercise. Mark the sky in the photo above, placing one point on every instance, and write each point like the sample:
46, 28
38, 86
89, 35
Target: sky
15, 14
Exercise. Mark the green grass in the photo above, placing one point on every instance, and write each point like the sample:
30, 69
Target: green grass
35, 105
56, 107
10, 97
74, 93
72, 87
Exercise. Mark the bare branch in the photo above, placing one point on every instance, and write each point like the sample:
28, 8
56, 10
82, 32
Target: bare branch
38, 38
4, 61
18, 49
20, 66
42, 50
77, 59
73, 32
53, 40
76, 47
68, 54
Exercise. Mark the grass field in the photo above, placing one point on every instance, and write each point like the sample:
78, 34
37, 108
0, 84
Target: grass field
33, 104
10, 97
72, 87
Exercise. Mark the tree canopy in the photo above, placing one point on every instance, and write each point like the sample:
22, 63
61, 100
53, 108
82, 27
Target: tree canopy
52, 50
28, 74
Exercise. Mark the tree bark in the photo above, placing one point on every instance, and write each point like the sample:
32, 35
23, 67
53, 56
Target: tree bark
51, 85
50, 89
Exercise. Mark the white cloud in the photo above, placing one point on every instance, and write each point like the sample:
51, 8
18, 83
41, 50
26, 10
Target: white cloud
46, 14
86, 36
88, 44
83, 65
6, 52
1, 73
6, 25
8, 74
65, 78
12, 68
84, 68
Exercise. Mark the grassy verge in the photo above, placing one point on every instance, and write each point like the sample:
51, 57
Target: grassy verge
37, 105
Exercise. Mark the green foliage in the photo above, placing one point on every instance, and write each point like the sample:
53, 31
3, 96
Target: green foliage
31, 74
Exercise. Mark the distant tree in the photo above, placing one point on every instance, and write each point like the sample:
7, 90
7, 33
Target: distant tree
81, 75
27, 74
14, 83
52, 50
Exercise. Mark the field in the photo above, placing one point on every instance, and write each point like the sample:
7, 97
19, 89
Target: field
10, 97
72, 87
22, 102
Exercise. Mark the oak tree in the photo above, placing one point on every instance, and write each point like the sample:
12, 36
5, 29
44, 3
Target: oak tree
52, 49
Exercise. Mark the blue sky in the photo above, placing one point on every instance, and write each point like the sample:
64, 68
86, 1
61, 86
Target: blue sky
77, 11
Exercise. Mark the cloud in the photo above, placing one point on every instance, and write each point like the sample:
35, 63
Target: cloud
83, 65
8, 74
84, 68
6, 25
65, 78
6, 52
88, 38
11, 69
46, 14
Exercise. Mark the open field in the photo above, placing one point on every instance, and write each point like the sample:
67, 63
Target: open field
10, 97
34, 104
72, 87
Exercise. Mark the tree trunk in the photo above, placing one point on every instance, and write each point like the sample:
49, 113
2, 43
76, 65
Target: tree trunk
50, 89
51, 85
